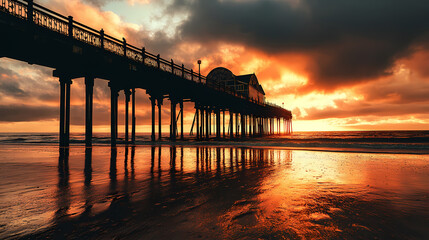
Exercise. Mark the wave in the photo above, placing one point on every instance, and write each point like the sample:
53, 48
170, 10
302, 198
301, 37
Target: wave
405, 141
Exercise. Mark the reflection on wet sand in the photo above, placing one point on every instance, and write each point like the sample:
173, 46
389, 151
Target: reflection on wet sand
63, 192
218, 192
87, 188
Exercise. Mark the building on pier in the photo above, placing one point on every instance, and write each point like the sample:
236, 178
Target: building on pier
244, 85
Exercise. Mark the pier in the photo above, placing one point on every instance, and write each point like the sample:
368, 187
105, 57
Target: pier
37, 35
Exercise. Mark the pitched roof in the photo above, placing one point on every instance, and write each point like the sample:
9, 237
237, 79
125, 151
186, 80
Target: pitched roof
244, 78
260, 89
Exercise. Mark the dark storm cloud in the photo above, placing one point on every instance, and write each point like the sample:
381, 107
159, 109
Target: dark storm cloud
9, 86
356, 109
15, 82
23, 113
11, 89
413, 91
349, 40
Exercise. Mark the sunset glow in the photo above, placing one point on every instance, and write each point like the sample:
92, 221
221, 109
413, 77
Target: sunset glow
331, 72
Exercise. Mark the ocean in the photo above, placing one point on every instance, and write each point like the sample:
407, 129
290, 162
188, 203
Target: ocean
324, 185
373, 141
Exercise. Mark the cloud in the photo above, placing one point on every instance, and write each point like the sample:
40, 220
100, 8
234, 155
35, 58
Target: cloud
20, 82
98, 3
418, 62
23, 113
350, 110
11, 88
403, 88
349, 41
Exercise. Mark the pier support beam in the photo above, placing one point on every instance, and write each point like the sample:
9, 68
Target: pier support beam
210, 122
207, 124
262, 126
181, 119
67, 127
266, 126
217, 123
159, 100
133, 116
62, 110
197, 120
127, 93
236, 125
152, 135
173, 122
202, 133
65, 83
89, 90
113, 113
223, 125
231, 124
243, 125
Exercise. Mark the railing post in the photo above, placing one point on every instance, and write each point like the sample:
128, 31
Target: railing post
125, 46
172, 66
102, 39
71, 26
183, 70
192, 74
30, 11
157, 60
143, 54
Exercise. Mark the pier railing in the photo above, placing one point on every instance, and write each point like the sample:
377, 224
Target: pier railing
44, 17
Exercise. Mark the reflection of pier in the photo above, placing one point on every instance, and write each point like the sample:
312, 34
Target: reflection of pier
40, 36
206, 160
174, 173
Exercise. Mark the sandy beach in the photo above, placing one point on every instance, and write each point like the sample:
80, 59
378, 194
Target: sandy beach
200, 192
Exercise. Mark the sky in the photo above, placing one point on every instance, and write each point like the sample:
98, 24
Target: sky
336, 64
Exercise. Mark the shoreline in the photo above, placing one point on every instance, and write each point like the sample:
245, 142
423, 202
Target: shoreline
243, 144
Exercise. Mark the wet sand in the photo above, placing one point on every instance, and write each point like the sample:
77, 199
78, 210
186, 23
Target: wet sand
199, 192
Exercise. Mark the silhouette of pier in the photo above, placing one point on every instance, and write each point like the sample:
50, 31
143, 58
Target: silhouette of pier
37, 35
